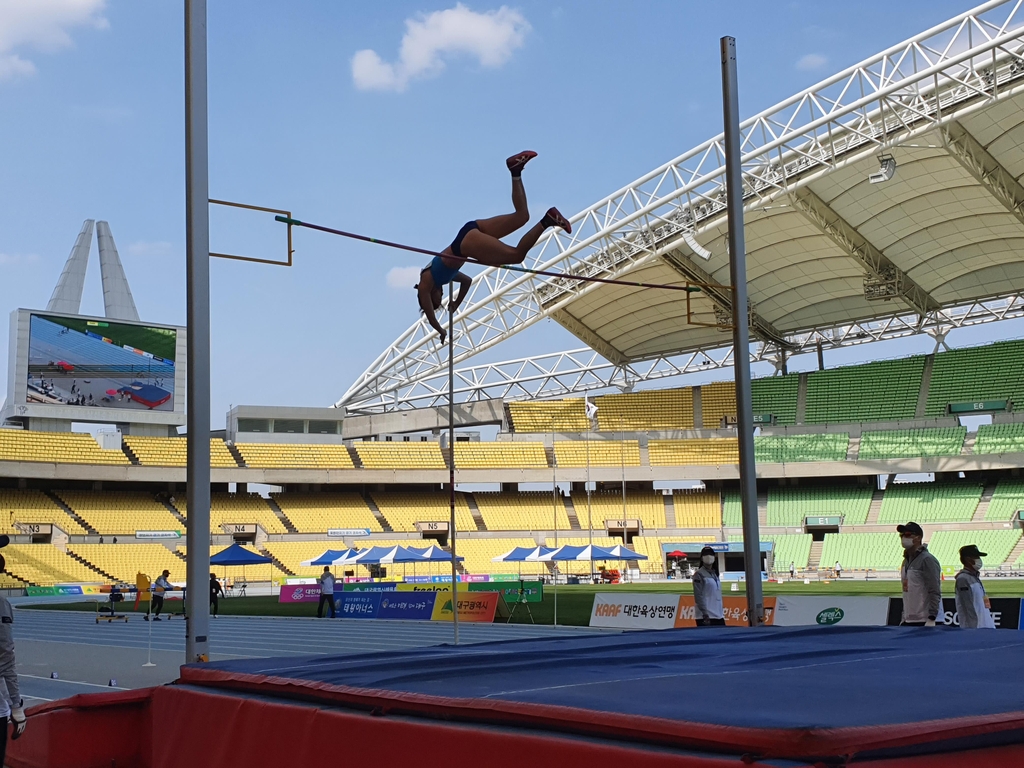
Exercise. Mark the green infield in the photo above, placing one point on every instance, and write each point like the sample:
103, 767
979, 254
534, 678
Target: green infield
574, 602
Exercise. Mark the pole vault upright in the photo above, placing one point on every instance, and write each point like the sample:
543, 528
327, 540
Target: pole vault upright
741, 332
197, 255
451, 461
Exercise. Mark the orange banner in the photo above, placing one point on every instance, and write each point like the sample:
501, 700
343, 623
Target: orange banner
735, 611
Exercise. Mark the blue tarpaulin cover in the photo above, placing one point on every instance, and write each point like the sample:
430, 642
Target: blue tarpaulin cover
238, 555
773, 690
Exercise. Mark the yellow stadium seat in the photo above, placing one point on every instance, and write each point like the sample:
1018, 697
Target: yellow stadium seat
304, 456
171, 452
25, 506
649, 410
500, 455
385, 455
320, 512
523, 511
402, 510
597, 453
125, 561
704, 451
56, 447
717, 401
568, 415
121, 513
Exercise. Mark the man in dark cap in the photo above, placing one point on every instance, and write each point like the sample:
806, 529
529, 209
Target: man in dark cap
972, 606
12, 707
922, 579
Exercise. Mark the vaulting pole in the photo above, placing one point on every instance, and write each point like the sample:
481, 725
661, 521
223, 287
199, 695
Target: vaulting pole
741, 333
197, 254
451, 459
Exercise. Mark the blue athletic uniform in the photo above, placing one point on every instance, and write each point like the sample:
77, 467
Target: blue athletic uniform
441, 273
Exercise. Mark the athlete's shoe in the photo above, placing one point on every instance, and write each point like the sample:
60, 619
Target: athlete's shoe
517, 162
555, 219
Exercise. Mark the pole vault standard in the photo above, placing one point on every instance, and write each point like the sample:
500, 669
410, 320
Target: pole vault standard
197, 255
451, 460
741, 332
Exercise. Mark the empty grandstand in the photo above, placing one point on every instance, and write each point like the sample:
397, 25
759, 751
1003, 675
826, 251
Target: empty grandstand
283, 455
597, 453
499, 454
56, 447
320, 512
790, 506
30, 506
523, 511
930, 502
885, 390
697, 509
649, 410
403, 510
1000, 438
405, 455
992, 372
828, 446
674, 453
909, 443
863, 551
125, 561
646, 506
120, 513
1007, 500
568, 415
171, 451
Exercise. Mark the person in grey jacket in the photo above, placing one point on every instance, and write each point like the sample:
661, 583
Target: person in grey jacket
972, 606
922, 579
12, 706
707, 591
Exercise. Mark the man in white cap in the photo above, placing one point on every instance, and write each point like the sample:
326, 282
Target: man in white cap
972, 606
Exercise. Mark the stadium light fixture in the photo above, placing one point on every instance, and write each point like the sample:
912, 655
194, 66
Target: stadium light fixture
886, 170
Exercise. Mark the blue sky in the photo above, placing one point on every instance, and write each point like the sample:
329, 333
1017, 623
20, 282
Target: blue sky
91, 121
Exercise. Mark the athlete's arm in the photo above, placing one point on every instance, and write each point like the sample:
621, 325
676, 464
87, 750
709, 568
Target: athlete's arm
464, 282
423, 294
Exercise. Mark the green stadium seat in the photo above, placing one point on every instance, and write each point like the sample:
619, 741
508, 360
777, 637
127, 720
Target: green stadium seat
911, 443
882, 391
791, 448
789, 506
992, 372
945, 545
862, 551
1000, 438
1006, 501
930, 502
776, 395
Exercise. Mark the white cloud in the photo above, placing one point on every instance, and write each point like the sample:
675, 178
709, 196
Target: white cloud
146, 250
811, 62
403, 278
11, 259
41, 25
490, 37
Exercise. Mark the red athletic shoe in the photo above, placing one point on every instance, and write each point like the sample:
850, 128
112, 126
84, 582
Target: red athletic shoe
555, 219
516, 162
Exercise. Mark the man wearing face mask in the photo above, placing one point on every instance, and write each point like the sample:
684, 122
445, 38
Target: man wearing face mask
972, 606
707, 591
922, 579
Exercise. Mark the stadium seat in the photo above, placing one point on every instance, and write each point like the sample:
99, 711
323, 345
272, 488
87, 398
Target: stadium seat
697, 509
172, 451
1000, 438
238, 509
863, 551
320, 512
827, 446
125, 561
1007, 500
502, 454
992, 372
403, 509
523, 511
945, 545
286, 456
29, 506
598, 453
644, 411
776, 395
910, 443
121, 513
790, 506
45, 565
790, 548
478, 554
880, 391
930, 502
717, 401
567, 415
705, 451
385, 455
646, 506
56, 447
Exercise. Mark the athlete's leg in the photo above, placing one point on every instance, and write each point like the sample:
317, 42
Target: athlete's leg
506, 224
484, 248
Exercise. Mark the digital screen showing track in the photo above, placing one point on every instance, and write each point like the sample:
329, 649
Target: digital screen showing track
96, 363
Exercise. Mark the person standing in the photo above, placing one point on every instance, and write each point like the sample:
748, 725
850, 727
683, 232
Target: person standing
921, 575
326, 592
792, 569
707, 591
12, 706
973, 609
839, 570
215, 590
160, 588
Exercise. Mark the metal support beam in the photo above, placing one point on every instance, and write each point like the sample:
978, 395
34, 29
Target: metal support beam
999, 182
856, 246
686, 267
585, 334
197, 253
740, 333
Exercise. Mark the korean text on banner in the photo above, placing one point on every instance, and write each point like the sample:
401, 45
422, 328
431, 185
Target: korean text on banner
299, 593
473, 606
734, 610
410, 607
805, 611
634, 611
358, 605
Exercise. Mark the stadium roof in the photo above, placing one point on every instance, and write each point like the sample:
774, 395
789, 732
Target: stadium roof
832, 257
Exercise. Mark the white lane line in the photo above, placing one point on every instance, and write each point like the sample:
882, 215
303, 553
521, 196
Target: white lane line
73, 682
35, 698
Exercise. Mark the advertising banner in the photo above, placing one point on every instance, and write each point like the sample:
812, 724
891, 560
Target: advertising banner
477, 577
1005, 612
634, 611
531, 591
504, 577
734, 609
802, 611
68, 589
409, 607
358, 605
372, 586
40, 591
299, 593
339, 533
158, 534
478, 606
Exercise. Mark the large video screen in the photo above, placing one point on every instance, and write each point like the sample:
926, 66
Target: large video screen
100, 364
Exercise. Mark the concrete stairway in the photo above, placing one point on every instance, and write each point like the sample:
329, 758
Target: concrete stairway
814, 560
876, 507
1016, 552
570, 510
377, 513
289, 526
986, 498
670, 511
235, 454
762, 508
853, 449
74, 515
171, 508
478, 518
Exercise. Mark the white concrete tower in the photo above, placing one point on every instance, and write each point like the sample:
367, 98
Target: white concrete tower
118, 303
67, 296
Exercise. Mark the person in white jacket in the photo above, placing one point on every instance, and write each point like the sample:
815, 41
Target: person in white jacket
972, 606
12, 707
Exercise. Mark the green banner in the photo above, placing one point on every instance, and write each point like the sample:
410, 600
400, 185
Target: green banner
762, 418
978, 405
504, 577
829, 522
40, 591
532, 591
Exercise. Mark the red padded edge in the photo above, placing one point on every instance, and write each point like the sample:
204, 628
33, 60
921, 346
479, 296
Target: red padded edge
765, 742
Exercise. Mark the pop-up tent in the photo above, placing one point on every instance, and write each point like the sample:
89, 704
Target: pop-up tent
329, 557
434, 554
236, 554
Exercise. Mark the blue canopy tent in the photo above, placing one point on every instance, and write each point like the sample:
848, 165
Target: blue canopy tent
433, 554
236, 554
329, 557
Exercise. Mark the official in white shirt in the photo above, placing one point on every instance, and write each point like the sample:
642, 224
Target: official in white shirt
707, 591
972, 606
326, 592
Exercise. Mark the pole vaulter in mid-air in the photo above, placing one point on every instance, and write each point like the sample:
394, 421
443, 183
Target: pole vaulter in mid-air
479, 241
